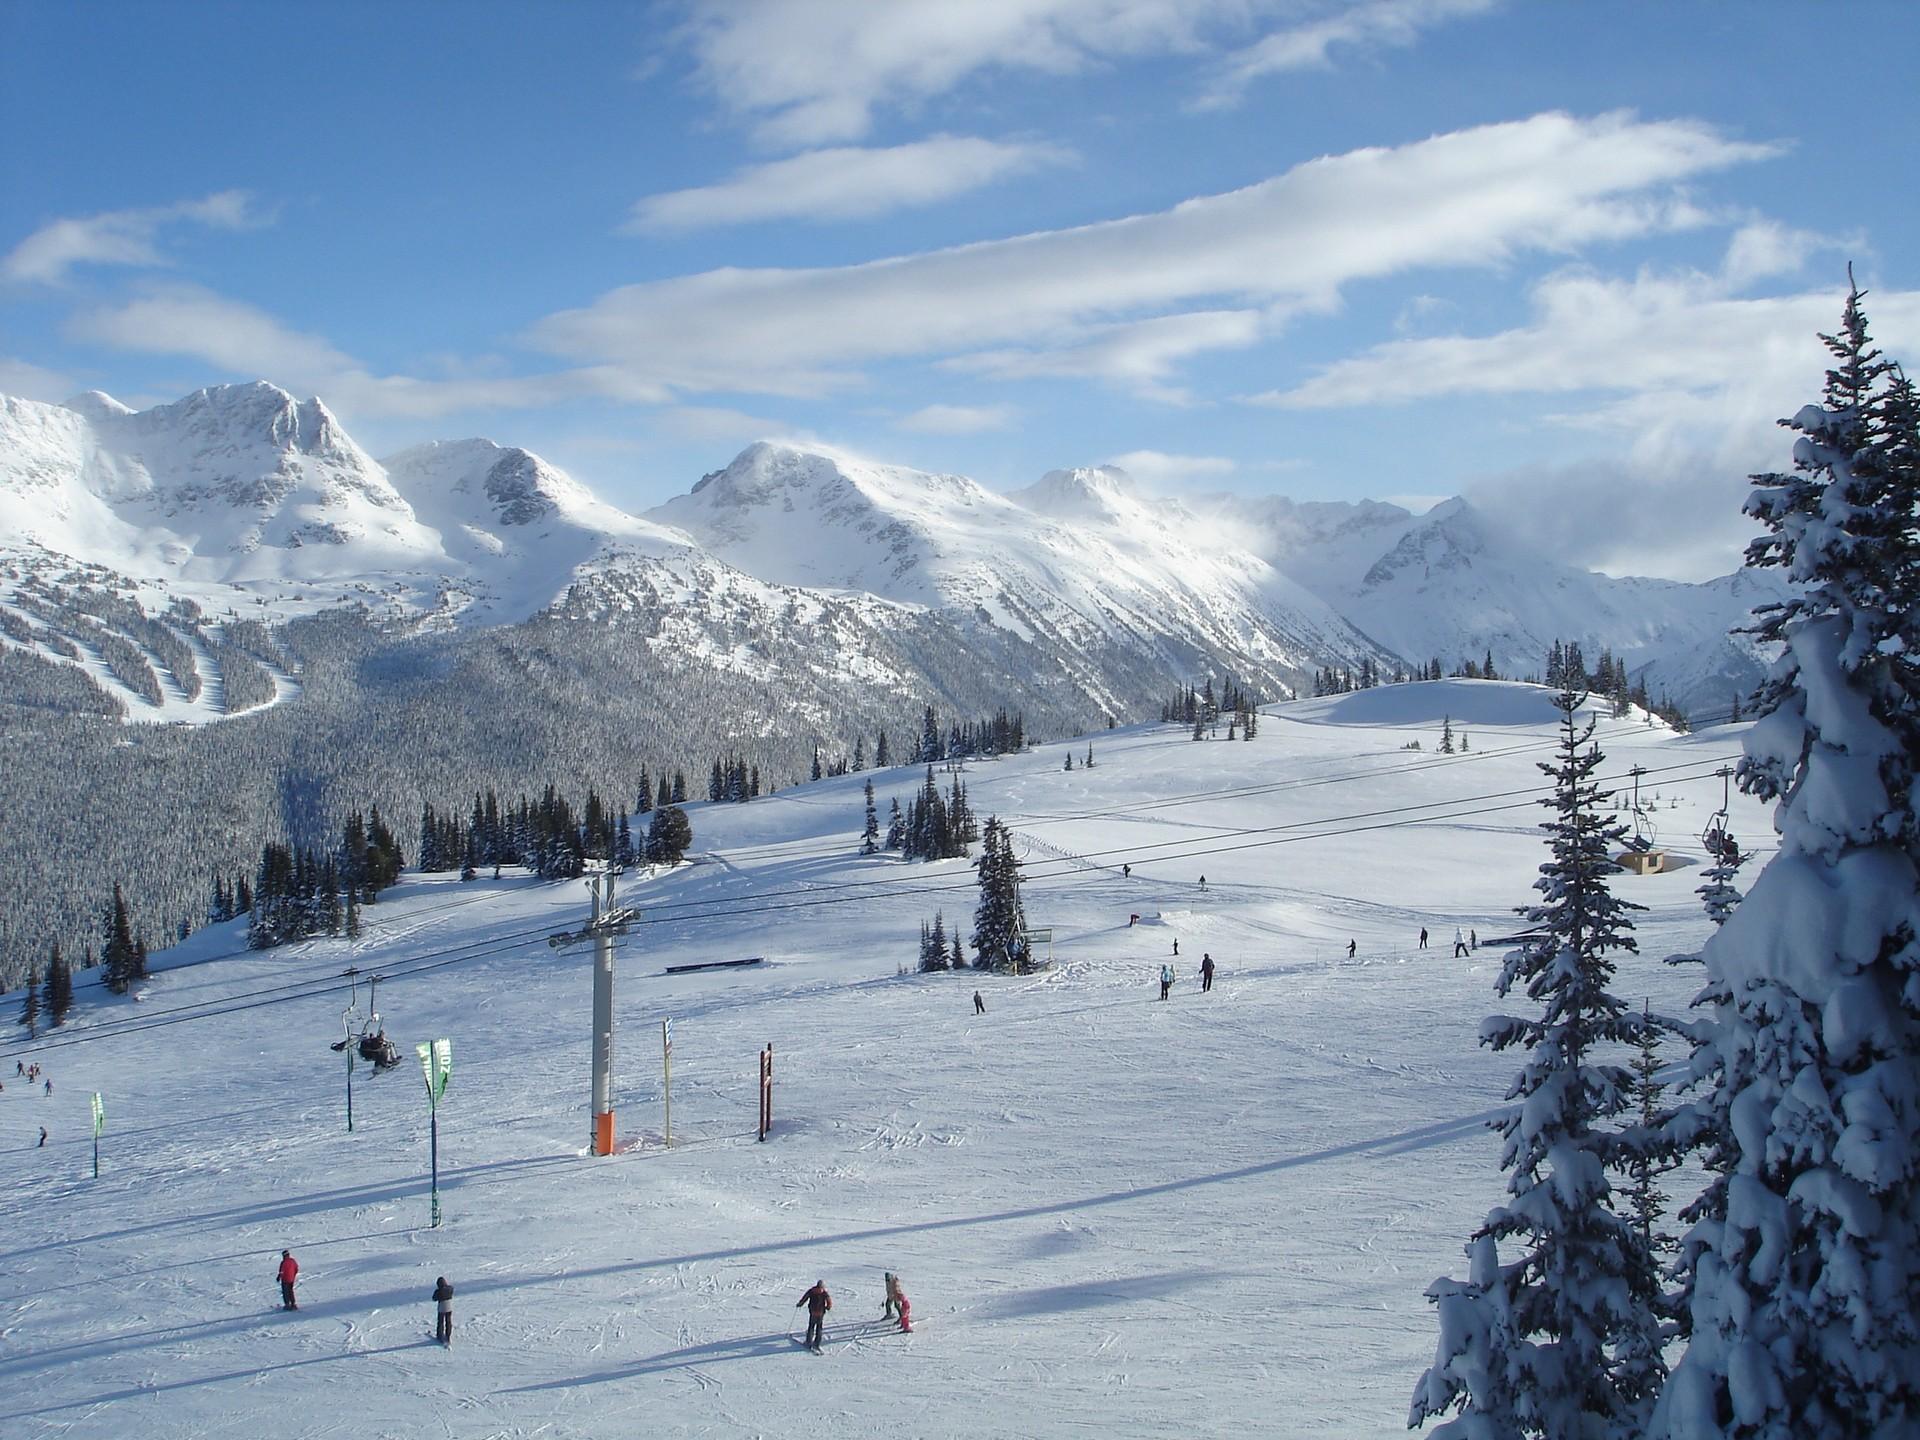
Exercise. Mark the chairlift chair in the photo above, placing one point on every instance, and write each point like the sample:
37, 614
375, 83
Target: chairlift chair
373, 1042
1716, 839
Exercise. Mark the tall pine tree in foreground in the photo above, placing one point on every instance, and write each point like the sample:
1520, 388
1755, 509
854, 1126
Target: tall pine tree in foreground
1562, 1341
1805, 1288
59, 987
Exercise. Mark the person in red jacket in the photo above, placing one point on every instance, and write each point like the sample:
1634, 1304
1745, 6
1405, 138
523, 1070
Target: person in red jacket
818, 1302
289, 1272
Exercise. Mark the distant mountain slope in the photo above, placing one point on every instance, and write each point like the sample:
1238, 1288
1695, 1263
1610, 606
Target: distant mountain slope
1453, 585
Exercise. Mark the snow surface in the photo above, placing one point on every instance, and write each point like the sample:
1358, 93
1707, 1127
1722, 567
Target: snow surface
1114, 1216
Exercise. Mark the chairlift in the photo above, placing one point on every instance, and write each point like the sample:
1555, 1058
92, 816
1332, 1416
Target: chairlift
1644, 832
350, 1018
372, 1042
1716, 839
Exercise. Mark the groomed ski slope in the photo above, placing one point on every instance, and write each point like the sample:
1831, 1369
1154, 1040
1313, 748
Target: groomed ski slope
1114, 1216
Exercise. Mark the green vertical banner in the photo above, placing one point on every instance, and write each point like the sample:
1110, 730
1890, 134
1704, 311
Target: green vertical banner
436, 1065
99, 1124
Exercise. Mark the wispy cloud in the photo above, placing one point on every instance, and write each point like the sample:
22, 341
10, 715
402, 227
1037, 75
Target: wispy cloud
1156, 468
246, 341
120, 237
808, 72
957, 419
1552, 183
33, 382
847, 183
1310, 46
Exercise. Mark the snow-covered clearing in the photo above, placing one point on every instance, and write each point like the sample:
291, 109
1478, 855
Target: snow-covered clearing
1113, 1216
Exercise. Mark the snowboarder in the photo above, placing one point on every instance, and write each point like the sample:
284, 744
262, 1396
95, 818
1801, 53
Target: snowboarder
890, 1308
443, 1320
818, 1302
979, 1005
1459, 943
1351, 947
43, 1138
1206, 972
1132, 920
1423, 937
1126, 872
289, 1272
1166, 980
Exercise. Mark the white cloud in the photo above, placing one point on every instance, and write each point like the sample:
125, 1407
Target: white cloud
1139, 356
957, 419
1472, 198
119, 237
244, 340
813, 71
847, 183
34, 382
1692, 366
1308, 46
1155, 468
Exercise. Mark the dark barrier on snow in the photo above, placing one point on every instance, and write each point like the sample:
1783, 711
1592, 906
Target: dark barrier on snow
716, 965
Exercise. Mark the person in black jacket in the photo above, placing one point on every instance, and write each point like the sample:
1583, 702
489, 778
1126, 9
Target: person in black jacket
818, 1302
443, 1322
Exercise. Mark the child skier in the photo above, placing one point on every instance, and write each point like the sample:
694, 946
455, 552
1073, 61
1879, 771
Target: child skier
890, 1308
288, 1273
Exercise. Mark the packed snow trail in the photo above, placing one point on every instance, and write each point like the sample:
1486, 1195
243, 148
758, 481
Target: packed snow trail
1112, 1214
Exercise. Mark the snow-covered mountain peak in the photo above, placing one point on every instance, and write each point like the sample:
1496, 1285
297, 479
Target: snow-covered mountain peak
97, 405
1083, 492
517, 486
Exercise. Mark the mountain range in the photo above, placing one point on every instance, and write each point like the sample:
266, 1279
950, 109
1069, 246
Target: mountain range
244, 491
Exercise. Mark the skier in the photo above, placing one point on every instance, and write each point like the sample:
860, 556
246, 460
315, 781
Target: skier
979, 1005
818, 1302
890, 1308
443, 1320
1473, 939
289, 1272
1176, 946
1166, 980
1351, 947
1459, 943
906, 1311
1133, 920
43, 1138
1203, 882
1206, 972
1423, 937
49, 1085
19, 1067
1126, 872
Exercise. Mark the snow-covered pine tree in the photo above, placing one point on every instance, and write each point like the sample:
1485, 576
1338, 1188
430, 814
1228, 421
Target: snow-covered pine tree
870, 834
1559, 1342
1805, 1303
1446, 735
896, 826
937, 943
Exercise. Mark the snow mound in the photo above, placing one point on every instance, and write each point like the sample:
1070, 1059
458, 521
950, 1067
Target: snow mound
1466, 702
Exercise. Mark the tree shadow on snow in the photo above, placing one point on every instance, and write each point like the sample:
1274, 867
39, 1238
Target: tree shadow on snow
740, 1347
1087, 1295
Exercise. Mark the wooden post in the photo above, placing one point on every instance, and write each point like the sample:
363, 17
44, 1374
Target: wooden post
766, 1090
666, 1068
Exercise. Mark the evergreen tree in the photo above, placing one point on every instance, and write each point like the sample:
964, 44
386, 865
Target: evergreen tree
1446, 735
870, 835
116, 954
937, 943
669, 836
644, 802
1000, 922
896, 827
1805, 1291
1564, 1340
30, 1006
59, 988
881, 760
816, 760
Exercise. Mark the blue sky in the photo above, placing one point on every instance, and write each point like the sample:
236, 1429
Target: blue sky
1565, 258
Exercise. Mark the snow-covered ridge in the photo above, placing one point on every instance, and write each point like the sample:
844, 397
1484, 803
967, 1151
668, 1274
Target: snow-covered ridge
244, 485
